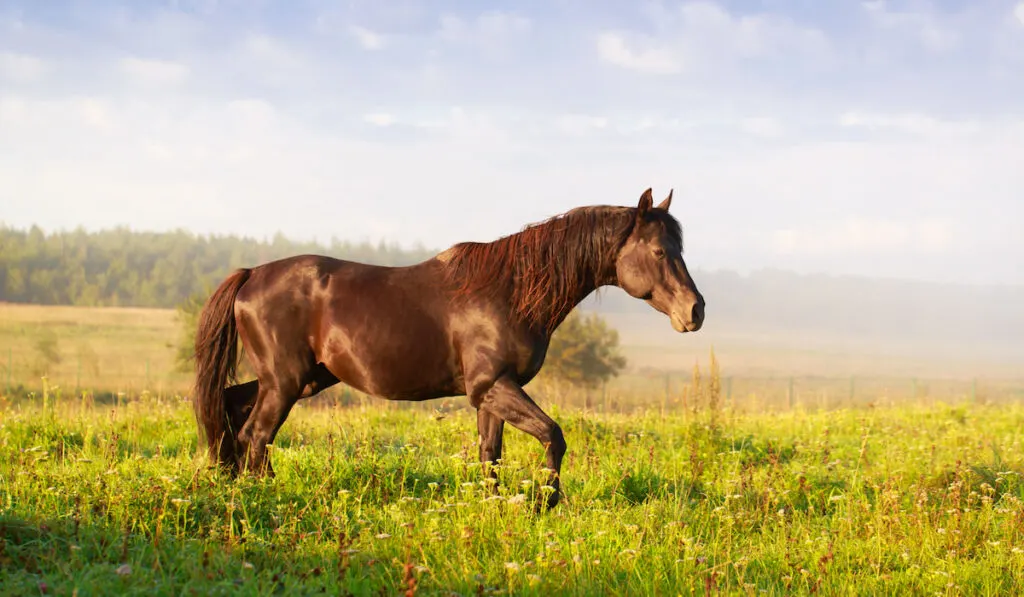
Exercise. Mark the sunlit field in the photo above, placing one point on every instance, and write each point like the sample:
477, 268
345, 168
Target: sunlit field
681, 482
111, 500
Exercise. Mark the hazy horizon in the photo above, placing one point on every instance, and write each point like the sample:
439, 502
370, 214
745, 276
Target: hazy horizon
879, 139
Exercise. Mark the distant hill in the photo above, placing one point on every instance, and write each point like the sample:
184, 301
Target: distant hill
839, 315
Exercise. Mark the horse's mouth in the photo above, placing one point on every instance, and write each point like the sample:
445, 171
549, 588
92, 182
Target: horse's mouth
682, 326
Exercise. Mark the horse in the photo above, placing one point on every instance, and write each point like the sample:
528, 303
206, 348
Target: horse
474, 320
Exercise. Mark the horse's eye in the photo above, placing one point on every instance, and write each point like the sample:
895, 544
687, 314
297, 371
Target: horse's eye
659, 253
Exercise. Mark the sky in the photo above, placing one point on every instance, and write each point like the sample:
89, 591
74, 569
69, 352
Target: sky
880, 138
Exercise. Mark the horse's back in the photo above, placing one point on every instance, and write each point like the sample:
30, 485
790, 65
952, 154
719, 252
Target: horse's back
381, 329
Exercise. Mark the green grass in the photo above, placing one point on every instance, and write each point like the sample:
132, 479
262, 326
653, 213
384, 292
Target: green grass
911, 500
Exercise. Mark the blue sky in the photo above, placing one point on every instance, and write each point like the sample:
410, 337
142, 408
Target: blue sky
878, 138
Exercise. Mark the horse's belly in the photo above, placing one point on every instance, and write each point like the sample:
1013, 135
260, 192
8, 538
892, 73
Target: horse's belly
411, 362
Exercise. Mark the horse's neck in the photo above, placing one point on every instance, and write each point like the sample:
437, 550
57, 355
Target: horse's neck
594, 280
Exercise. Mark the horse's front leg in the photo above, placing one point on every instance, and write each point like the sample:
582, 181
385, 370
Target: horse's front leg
505, 399
491, 429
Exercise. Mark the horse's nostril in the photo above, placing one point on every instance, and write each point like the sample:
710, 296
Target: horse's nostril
697, 314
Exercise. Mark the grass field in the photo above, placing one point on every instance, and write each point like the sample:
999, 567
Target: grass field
373, 502
674, 484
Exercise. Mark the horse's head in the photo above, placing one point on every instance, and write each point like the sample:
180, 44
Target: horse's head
650, 266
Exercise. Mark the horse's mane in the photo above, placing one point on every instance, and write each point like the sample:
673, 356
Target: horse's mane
546, 268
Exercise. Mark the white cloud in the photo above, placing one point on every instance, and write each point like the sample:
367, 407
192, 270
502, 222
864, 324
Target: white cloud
932, 34
613, 49
1018, 12
579, 124
861, 235
252, 113
704, 36
270, 51
21, 68
369, 40
762, 126
154, 72
913, 123
380, 118
490, 31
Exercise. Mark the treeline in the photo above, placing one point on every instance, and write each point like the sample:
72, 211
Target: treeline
121, 267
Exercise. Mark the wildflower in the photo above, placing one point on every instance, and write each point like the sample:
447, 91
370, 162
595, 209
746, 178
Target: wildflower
124, 570
247, 565
180, 501
513, 566
518, 498
382, 536
432, 485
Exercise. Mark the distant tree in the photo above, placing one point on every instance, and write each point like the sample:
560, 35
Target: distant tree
188, 318
126, 268
584, 352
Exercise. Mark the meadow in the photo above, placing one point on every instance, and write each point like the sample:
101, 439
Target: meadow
694, 490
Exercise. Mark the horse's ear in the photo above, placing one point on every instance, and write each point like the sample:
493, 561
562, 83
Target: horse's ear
668, 201
646, 201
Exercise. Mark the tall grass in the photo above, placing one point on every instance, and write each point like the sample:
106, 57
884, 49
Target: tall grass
920, 499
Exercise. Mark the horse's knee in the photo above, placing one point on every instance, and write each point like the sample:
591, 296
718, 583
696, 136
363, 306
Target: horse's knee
556, 440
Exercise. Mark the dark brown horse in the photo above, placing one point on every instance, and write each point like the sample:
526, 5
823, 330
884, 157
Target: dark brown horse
474, 320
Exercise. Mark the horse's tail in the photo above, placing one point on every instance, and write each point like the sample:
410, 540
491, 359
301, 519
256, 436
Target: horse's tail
216, 355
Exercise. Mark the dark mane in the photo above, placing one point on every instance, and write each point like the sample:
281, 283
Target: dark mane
548, 267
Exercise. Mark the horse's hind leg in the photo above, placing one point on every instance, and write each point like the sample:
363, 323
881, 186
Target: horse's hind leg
238, 402
271, 409
274, 401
